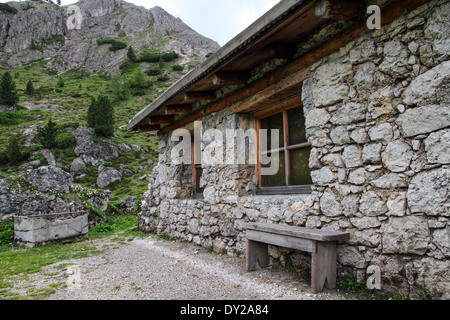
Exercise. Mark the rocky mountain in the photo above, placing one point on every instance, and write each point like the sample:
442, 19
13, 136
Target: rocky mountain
41, 30
68, 64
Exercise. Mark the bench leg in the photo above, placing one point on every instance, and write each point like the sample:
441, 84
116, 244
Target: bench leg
323, 273
257, 253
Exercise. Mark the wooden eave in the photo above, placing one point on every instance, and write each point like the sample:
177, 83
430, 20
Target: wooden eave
276, 34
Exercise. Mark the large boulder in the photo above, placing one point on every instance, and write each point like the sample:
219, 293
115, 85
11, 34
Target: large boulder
94, 153
50, 179
107, 176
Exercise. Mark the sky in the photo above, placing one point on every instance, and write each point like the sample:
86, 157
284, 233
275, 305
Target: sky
220, 20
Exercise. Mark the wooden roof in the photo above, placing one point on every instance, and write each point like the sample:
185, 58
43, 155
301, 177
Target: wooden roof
275, 35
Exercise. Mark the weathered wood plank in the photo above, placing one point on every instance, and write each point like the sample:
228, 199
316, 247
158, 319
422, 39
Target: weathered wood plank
301, 232
230, 78
323, 267
257, 254
199, 96
282, 240
149, 128
285, 84
178, 109
161, 120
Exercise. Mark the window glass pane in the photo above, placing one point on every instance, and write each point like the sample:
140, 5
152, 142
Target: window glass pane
300, 172
279, 179
274, 122
297, 133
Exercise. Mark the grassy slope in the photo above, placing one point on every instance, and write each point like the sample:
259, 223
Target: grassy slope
72, 102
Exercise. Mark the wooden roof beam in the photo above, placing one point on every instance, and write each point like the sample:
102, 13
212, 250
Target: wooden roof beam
149, 128
389, 14
230, 78
178, 109
199, 96
348, 10
154, 120
279, 50
293, 81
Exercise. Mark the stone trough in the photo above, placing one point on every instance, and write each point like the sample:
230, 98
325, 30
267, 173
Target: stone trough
36, 230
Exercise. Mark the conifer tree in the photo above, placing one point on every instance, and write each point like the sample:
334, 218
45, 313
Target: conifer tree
47, 135
161, 62
30, 88
131, 54
13, 151
91, 113
100, 116
60, 82
8, 93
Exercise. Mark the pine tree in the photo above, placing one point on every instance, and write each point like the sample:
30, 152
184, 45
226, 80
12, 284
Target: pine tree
100, 116
92, 113
30, 88
13, 151
47, 135
8, 93
161, 62
131, 54
60, 82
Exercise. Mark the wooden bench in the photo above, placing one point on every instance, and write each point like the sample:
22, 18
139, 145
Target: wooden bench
320, 243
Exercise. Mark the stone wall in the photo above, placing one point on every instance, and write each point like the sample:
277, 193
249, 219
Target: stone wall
378, 118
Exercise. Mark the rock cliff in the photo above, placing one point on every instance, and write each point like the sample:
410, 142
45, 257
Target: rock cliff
41, 31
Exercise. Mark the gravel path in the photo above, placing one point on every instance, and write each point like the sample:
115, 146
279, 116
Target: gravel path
152, 269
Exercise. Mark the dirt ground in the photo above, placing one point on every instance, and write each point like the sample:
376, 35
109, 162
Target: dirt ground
153, 269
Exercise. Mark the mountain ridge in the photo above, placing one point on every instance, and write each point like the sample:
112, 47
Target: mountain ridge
39, 31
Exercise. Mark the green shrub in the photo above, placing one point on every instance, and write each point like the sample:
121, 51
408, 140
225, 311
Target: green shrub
6, 233
115, 44
60, 82
170, 56
65, 140
7, 8
9, 118
177, 67
149, 56
164, 78
154, 72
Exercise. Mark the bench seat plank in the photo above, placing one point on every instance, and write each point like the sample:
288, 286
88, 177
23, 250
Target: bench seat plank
282, 240
300, 232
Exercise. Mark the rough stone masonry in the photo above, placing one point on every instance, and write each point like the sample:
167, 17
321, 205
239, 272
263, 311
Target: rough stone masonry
378, 118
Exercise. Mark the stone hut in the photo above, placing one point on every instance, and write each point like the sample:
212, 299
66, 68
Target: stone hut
364, 114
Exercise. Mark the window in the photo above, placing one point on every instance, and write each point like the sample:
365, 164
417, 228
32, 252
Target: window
294, 175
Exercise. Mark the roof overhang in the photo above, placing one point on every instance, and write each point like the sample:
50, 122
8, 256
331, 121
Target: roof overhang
275, 35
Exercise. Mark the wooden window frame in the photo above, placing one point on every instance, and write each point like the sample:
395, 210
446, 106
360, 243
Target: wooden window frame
288, 188
195, 167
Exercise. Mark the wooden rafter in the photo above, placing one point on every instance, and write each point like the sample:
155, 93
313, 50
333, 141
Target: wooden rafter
199, 96
178, 109
149, 128
230, 78
389, 14
294, 80
279, 50
161, 119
